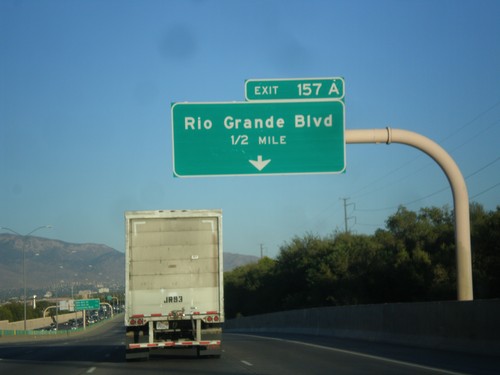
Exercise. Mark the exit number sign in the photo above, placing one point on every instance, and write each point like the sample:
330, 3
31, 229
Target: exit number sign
295, 89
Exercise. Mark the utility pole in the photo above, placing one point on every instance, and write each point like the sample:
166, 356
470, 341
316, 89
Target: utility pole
346, 218
26, 236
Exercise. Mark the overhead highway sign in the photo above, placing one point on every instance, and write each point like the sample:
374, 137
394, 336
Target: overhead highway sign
256, 138
287, 89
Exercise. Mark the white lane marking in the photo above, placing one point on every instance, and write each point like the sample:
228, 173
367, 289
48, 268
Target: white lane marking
246, 363
91, 370
369, 356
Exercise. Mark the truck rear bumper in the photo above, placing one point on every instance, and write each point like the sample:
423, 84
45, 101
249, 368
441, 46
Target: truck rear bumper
180, 344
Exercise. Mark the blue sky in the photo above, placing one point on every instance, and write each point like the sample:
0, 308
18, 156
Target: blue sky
86, 89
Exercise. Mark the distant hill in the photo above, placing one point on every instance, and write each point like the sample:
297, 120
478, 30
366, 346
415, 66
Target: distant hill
53, 264
231, 261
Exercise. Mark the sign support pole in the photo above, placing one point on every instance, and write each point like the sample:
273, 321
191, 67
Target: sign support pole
458, 187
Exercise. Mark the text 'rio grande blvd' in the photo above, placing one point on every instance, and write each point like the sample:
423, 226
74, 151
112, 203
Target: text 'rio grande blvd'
234, 123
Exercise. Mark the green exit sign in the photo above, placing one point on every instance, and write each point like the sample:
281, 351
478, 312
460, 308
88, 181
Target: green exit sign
86, 304
295, 89
258, 138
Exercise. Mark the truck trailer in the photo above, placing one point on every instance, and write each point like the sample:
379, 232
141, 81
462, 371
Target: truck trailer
173, 282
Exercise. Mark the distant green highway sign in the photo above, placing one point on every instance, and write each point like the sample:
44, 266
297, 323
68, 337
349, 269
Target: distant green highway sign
256, 138
295, 89
86, 304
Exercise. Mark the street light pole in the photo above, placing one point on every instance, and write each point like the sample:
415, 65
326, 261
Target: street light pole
24, 262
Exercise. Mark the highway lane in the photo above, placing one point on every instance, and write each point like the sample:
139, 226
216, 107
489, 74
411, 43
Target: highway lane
342, 356
102, 351
75, 354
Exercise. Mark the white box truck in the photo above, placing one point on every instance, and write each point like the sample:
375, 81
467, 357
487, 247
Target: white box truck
174, 281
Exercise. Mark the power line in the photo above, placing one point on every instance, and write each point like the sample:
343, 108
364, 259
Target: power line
477, 117
439, 191
476, 135
482, 168
425, 167
473, 120
485, 191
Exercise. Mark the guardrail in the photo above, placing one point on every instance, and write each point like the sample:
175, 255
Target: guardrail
44, 332
470, 326
33, 332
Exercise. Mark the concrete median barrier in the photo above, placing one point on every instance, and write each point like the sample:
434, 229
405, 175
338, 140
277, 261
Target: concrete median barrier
472, 326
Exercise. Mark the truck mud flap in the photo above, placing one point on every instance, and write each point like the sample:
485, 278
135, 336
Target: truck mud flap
136, 355
209, 351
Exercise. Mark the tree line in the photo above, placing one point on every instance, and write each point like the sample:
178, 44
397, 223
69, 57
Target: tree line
14, 311
412, 259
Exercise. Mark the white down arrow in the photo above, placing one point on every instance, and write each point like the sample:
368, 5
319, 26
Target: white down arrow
259, 163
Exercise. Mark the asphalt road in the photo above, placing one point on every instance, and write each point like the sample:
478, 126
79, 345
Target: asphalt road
101, 350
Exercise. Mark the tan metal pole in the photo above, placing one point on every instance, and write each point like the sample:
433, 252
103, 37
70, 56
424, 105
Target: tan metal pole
458, 187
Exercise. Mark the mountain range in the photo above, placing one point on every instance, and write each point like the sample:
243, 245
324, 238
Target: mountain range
54, 264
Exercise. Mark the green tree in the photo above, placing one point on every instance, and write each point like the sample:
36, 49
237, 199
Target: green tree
336, 270
6, 313
248, 289
485, 233
14, 311
361, 270
413, 259
423, 253
440, 245
304, 274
